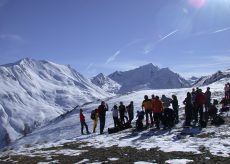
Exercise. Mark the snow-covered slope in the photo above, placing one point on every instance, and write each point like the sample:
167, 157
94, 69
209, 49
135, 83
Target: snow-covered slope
148, 77
176, 140
33, 92
206, 80
106, 83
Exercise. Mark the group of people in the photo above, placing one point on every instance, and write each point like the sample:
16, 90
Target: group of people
99, 113
157, 110
226, 99
118, 112
227, 91
197, 103
198, 109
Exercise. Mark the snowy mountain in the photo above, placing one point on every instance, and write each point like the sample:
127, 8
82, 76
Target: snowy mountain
33, 92
206, 80
62, 142
148, 77
106, 83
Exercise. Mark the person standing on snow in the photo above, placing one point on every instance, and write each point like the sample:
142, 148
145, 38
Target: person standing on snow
122, 112
102, 113
175, 107
83, 124
200, 102
194, 109
115, 116
147, 106
227, 91
188, 109
130, 110
95, 120
208, 99
157, 110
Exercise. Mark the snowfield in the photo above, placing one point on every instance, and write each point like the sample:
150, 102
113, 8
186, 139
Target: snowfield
195, 140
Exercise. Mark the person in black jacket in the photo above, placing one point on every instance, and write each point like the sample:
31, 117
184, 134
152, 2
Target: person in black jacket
122, 111
175, 107
188, 109
102, 113
208, 98
130, 110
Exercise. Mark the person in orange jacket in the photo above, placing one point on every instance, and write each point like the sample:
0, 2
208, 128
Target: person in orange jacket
83, 124
147, 106
157, 107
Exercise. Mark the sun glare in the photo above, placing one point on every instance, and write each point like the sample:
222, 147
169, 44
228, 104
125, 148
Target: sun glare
201, 3
197, 3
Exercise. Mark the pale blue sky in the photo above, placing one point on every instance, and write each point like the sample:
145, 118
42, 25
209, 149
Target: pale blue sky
191, 37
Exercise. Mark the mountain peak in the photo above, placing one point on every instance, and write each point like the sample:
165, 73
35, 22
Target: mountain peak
166, 69
150, 65
98, 79
206, 80
25, 60
105, 83
19, 62
100, 75
148, 77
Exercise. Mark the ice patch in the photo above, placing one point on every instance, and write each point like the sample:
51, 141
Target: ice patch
143, 162
70, 152
178, 161
82, 161
113, 159
50, 162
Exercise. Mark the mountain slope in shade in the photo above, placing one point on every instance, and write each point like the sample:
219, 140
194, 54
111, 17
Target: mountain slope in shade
33, 92
192, 80
106, 83
206, 80
148, 77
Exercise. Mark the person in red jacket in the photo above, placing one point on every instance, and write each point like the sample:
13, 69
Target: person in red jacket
200, 102
83, 124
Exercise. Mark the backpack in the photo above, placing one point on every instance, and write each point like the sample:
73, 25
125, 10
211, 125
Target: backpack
93, 115
140, 115
217, 120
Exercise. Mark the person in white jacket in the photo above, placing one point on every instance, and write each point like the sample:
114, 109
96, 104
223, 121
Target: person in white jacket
115, 115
